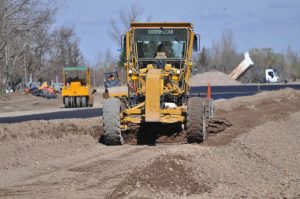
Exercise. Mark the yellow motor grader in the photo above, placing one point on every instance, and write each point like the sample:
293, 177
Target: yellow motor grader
158, 68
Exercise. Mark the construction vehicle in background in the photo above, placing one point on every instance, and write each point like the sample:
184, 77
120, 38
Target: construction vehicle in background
158, 68
57, 86
270, 75
111, 80
267, 75
43, 90
242, 67
77, 91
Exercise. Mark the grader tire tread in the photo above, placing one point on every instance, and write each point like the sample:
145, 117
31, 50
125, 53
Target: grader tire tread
194, 125
111, 122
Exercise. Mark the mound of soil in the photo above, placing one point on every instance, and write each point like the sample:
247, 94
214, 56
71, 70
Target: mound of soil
215, 78
27, 142
165, 173
244, 113
265, 99
256, 157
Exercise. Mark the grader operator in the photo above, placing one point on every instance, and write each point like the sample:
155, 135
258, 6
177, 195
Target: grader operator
158, 67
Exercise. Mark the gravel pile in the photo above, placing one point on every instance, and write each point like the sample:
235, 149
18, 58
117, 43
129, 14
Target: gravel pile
215, 78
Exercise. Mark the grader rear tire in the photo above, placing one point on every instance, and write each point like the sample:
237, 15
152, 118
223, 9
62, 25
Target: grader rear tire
195, 117
111, 122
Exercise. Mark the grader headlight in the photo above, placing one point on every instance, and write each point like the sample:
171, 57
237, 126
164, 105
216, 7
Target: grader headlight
168, 67
175, 77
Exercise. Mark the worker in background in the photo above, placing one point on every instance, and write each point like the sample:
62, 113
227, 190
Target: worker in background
111, 77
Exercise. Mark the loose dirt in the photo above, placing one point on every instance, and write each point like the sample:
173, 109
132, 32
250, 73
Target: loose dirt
19, 103
215, 78
256, 155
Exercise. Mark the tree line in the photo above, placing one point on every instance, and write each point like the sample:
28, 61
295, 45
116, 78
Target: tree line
223, 56
29, 45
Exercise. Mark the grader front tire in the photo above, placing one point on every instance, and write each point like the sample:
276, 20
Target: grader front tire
111, 122
195, 120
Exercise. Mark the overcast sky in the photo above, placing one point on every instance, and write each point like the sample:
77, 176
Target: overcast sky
254, 23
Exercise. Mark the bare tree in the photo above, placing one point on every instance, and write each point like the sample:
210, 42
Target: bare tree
27, 46
222, 56
225, 56
291, 67
64, 51
127, 15
203, 60
21, 21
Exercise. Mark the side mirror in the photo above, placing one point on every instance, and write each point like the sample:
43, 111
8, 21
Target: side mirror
196, 44
123, 42
94, 91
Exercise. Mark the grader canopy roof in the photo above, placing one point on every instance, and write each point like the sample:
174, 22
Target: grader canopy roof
75, 68
165, 25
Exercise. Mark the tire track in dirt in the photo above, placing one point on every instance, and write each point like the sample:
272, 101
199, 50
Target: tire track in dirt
246, 115
220, 167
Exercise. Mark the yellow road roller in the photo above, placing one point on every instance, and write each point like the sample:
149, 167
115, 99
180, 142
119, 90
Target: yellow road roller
77, 91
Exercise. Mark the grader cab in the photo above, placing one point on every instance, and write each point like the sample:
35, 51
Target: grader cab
158, 68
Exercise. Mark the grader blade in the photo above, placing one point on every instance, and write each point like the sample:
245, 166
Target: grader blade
153, 92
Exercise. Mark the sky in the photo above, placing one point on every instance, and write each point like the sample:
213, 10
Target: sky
255, 24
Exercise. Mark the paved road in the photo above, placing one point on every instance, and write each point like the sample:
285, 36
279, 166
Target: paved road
227, 92
81, 113
218, 92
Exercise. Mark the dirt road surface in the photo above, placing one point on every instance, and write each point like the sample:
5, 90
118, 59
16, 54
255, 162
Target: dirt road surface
257, 157
20, 104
